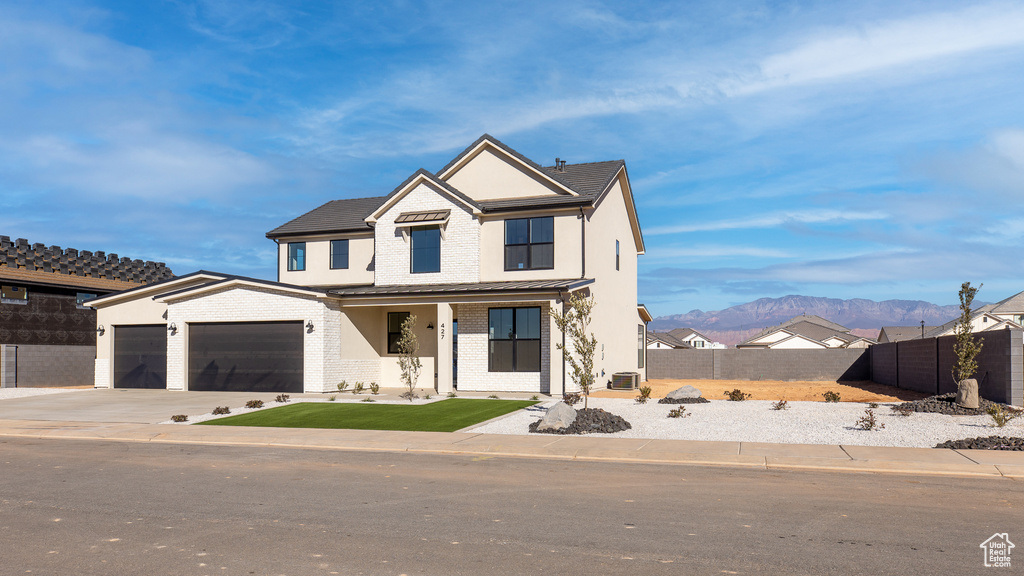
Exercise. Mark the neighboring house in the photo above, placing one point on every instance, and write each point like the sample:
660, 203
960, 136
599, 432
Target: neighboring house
695, 339
42, 316
1007, 313
806, 332
980, 322
901, 333
664, 340
480, 252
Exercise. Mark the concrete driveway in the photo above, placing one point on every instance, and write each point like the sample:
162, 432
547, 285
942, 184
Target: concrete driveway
122, 405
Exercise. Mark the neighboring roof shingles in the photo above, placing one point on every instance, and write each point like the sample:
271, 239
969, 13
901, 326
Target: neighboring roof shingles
335, 216
462, 288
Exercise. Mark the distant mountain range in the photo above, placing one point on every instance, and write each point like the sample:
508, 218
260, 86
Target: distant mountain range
863, 317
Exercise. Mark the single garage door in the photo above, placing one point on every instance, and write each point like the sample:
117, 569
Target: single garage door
140, 356
245, 356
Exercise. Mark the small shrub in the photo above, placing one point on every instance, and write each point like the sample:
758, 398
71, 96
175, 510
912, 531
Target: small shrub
179, 418
452, 394
358, 388
221, 410
737, 395
332, 397
254, 404
367, 399
427, 396
780, 405
678, 413
534, 397
645, 395
374, 388
872, 404
572, 399
831, 396
282, 398
1000, 416
903, 410
868, 421
342, 386
493, 397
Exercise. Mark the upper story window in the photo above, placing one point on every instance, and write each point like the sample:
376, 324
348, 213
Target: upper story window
616, 254
395, 321
296, 256
13, 294
697, 343
81, 297
339, 254
530, 243
426, 249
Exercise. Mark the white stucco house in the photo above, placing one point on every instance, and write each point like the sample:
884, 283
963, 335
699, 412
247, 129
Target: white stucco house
807, 332
479, 251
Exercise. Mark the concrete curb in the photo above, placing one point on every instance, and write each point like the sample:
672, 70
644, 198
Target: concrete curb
797, 457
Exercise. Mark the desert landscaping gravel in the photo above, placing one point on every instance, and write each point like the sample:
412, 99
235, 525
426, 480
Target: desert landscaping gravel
7, 393
755, 421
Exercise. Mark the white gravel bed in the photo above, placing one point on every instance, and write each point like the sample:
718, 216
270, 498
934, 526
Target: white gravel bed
193, 419
755, 421
6, 393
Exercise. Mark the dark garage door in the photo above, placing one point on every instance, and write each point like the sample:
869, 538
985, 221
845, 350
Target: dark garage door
247, 356
140, 356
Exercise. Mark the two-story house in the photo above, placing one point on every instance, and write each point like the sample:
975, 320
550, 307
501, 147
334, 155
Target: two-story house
480, 252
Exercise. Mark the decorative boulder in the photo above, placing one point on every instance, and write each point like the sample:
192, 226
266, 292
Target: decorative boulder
685, 395
967, 393
558, 417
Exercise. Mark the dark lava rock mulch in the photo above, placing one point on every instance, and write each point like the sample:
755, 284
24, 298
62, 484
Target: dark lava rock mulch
698, 400
589, 421
989, 443
946, 404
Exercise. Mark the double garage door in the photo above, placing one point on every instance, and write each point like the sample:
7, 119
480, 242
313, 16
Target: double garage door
241, 357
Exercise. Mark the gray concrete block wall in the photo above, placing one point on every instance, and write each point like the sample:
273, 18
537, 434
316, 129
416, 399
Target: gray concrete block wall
883, 363
918, 366
926, 365
734, 364
50, 366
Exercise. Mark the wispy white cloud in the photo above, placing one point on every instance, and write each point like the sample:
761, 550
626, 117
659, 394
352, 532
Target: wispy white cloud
819, 216
843, 54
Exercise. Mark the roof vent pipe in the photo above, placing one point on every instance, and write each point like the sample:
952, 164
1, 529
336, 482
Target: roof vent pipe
559, 165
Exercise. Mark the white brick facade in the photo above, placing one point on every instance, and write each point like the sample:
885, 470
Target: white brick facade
460, 242
101, 378
250, 304
473, 352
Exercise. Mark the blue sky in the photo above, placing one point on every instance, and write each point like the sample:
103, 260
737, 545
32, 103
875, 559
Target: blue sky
868, 149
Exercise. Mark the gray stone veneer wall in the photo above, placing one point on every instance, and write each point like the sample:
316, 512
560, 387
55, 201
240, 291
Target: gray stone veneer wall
734, 364
28, 366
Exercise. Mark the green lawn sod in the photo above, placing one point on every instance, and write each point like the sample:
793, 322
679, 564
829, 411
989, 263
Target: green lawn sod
444, 416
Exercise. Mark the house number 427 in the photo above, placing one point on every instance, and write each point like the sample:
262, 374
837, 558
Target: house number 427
442, 331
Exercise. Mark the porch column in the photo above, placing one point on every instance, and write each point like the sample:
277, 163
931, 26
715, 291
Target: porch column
444, 348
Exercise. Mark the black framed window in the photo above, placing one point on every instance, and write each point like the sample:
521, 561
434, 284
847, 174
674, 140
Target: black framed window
616, 254
339, 254
426, 249
530, 243
296, 256
395, 320
513, 339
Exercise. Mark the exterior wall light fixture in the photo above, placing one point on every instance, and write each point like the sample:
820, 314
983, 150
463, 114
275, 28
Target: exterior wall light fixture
309, 326
430, 325
172, 328
100, 330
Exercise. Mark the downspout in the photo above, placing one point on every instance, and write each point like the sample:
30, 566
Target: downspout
277, 244
583, 244
561, 298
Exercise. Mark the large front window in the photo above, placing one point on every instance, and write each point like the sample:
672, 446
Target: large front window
426, 249
296, 256
513, 340
530, 243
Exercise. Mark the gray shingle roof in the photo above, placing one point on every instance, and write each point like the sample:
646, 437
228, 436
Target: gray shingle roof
901, 333
462, 288
335, 216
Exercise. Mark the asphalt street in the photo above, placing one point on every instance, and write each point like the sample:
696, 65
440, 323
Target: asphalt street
94, 507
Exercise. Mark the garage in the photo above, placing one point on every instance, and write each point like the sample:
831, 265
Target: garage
246, 356
140, 356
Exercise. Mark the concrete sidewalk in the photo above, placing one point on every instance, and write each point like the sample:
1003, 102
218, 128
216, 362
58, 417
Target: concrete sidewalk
913, 461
